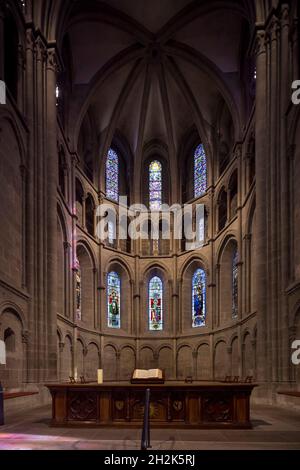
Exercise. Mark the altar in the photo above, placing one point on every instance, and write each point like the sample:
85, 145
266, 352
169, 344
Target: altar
172, 404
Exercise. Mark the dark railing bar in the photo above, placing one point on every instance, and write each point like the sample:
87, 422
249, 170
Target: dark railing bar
145, 443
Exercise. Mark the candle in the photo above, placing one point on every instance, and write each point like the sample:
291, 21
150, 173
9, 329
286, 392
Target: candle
100, 376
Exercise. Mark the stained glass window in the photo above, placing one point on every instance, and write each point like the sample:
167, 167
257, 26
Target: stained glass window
78, 289
235, 284
155, 185
112, 175
155, 304
199, 171
198, 298
113, 300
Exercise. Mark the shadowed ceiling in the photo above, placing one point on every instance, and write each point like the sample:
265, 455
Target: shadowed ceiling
154, 68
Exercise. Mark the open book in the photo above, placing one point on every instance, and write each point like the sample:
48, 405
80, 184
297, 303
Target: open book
147, 375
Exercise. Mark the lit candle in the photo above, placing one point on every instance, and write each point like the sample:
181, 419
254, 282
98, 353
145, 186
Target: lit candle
100, 376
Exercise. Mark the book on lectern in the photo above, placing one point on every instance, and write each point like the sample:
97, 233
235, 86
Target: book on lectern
147, 376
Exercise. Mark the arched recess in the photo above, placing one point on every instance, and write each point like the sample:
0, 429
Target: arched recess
79, 198
165, 361
190, 299
90, 215
92, 362
127, 362
235, 357
150, 273
88, 284
250, 259
233, 193
125, 302
204, 366
248, 356
185, 365
62, 170
228, 279
87, 145
67, 359
147, 359
14, 373
13, 199
220, 360
187, 164
62, 265
120, 146
222, 210
155, 151
110, 363
80, 358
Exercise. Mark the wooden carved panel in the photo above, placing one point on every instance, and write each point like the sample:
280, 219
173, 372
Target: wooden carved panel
217, 409
82, 406
176, 408
158, 406
120, 406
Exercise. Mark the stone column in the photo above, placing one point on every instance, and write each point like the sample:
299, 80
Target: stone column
274, 200
30, 201
262, 162
52, 179
285, 213
40, 201
195, 355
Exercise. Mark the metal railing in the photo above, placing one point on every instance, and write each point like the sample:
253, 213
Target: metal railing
145, 442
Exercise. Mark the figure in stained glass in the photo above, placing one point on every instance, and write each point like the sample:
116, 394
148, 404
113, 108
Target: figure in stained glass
198, 298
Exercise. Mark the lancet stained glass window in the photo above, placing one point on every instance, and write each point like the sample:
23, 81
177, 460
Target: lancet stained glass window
155, 304
155, 185
235, 284
199, 171
113, 300
78, 289
112, 175
198, 298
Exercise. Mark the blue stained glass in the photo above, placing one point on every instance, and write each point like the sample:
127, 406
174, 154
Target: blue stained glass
235, 284
113, 300
200, 184
155, 185
155, 304
198, 298
112, 175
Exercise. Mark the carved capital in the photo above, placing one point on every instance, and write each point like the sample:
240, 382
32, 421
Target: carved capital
52, 60
30, 43
285, 16
40, 49
229, 350
274, 29
61, 346
194, 354
25, 336
260, 43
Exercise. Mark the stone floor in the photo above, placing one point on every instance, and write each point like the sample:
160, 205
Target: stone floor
273, 428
